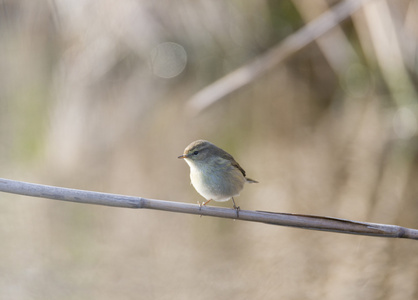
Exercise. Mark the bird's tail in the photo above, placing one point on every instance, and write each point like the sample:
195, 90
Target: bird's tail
249, 180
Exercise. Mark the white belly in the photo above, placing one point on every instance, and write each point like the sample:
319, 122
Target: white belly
215, 184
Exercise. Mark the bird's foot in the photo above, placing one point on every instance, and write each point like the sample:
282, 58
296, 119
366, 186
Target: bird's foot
237, 208
203, 204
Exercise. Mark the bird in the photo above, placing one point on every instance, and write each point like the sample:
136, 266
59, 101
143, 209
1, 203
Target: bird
214, 173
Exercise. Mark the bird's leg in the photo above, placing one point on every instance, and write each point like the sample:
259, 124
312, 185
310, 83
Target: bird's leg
204, 203
237, 208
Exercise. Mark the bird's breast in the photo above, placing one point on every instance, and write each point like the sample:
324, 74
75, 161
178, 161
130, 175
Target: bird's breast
218, 180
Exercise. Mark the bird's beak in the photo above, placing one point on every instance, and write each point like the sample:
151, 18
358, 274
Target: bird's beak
182, 156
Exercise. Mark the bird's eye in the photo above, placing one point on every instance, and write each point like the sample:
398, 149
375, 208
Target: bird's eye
196, 153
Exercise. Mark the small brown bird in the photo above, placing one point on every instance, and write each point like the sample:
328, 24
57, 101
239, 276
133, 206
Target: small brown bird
214, 173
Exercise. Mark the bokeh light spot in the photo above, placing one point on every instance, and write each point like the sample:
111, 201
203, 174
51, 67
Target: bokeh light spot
168, 60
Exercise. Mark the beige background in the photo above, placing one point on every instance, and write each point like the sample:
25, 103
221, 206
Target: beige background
92, 98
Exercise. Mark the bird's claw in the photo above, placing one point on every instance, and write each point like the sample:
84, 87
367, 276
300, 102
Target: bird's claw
237, 208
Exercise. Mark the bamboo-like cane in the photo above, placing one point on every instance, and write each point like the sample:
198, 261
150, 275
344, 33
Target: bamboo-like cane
283, 219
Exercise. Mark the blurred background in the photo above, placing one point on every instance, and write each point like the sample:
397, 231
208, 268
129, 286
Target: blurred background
95, 95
